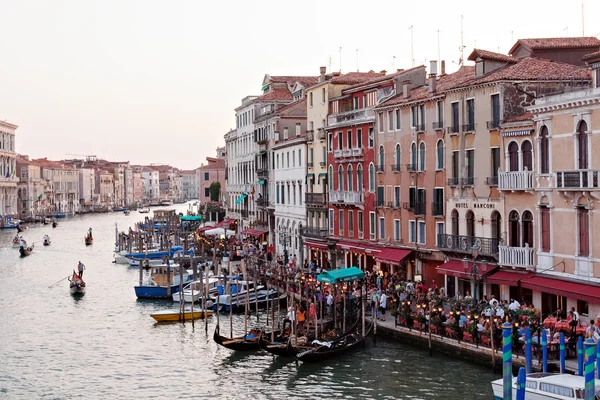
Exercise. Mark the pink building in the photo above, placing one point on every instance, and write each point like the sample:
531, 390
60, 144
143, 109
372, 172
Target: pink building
212, 171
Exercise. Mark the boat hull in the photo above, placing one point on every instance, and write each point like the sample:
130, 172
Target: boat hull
155, 292
77, 290
188, 315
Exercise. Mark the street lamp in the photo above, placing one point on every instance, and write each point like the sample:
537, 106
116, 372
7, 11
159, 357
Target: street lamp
475, 272
283, 240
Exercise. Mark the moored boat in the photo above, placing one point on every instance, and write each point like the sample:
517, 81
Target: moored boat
192, 292
157, 286
144, 210
89, 240
54, 224
18, 241
126, 212
242, 343
176, 315
548, 386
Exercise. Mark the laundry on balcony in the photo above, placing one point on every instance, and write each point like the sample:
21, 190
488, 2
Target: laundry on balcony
241, 198
559, 287
392, 256
310, 176
509, 278
456, 268
524, 132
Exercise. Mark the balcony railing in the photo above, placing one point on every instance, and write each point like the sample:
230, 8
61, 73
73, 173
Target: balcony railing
314, 199
470, 127
392, 204
464, 244
517, 256
491, 181
262, 141
453, 181
314, 232
438, 125
516, 180
495, 124
578, 179
262, 173
244, 213
420, 208
468, 181
309, 164
346, 197
395, 167
262, 202
420, 127
411, 167
321, 134
380, 168
346, 153
351, 117
322, 163
454, 128
310, 135
437, 208
338, 153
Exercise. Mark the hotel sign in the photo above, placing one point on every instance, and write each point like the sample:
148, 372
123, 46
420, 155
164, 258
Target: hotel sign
477, 204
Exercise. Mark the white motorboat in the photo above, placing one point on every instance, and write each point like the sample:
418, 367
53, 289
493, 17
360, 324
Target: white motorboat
243, 292
196, 288
135, 262
547, 386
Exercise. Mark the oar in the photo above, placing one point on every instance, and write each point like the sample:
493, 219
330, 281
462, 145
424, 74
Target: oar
54, 284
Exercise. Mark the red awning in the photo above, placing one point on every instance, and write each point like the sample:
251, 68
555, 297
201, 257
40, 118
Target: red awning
204, 228
455, 268
316, 245
392, 256
360, 247
510, 278
580, 291
226, 222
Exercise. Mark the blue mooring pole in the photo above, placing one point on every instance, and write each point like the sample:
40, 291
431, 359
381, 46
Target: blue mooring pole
590, 382
507, 361
544, 351
562, 352
528, 350
598, 360
521, 378
580, 356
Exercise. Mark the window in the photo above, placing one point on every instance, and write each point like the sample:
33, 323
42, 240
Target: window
398, 120
527, 226
340, 140
514, 229
288, 159
495, 110
412, 231
440, 154
396, 229
470, 166
513, 156
341, 178
350, 221
380, 167
293, 158
371, 138
349, 137
412, 197
584, 232
380, 122
527, 153
413, 156
380, 196
582, 145
355, 103
310, 99
470, 217
455, 165
294, 194
341, 222
422, 156
323, 95
350, 183
372, 225
439, 113
545, 227
277, 160
206, 176
495, 159
329, 142
397, 196
397, 158
359, 217
359, 138
421, 232
371, 178
311, 157
439, 233
277, 188
330, 178
359, 178
285, 133
390, 121
438, 201
544, 151
381, 228
454, 217
455, 118
583, 307
556, 389
413, 116
331, 221
471, 114
206, 192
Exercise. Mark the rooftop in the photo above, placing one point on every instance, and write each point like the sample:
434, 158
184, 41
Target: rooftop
276, 94
490, 55
557, 43
382, 78
354, 78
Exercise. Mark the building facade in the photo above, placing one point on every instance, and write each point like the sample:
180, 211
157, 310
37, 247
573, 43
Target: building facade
211, 172
190, 184
8, 165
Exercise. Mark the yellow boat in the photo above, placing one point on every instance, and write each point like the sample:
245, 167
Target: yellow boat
188, 315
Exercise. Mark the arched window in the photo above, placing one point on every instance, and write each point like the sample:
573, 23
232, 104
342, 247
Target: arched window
470, 217
527, 152
527, 224
381, 158
582, 145
413, 156
440, 154
496, 229
513, 156
454, 217
513, 229
422, 156
359, 178
544, 151
330, 179
341, 178
397, 157
371, 178
350, 183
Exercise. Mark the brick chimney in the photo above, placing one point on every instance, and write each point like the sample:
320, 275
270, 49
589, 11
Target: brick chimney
322, 72
443, 68
432, 76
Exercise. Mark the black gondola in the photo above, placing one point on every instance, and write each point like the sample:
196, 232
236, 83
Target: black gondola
317, 353
19, 229
279, 346
54, 224
89, 240
240, 343
25, 251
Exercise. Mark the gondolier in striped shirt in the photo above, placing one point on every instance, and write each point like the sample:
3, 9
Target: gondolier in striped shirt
80, 269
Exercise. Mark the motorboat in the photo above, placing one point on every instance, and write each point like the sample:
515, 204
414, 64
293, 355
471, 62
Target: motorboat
157, 285
10, 223
548, 386
192, 292
152, 254
240, 294
177, 315
166, 203
25, 250
144, 262
46, 241
144, 210
76, 285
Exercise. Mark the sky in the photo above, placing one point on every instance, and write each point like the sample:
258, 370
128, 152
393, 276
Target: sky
157, 81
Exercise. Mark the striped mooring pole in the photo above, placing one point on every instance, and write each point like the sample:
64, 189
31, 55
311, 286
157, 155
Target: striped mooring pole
521, 379
528, 350
562, 352
507, 361
598, 360
580, 356
544, 351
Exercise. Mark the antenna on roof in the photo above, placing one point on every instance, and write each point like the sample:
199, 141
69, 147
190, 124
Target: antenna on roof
582, 20
462, 46
357, 60
566, 29
393, 63
340, 59
439, 57
412, 45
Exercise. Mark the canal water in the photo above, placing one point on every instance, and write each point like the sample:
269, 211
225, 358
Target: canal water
105, 345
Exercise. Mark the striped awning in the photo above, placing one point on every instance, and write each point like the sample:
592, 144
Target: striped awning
517, 133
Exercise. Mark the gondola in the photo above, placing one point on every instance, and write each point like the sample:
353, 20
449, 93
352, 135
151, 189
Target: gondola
47, 241
76, 285
279, 346
54, 224
25, 250
250, 342
89, 240
20, 229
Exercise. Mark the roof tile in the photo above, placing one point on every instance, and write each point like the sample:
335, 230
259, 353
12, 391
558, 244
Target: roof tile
490, 55
558, 43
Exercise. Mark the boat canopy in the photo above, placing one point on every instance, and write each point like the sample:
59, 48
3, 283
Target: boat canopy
341, 275
191, 218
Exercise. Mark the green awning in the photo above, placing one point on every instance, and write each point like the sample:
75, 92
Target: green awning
341, 275
311, 176
265, 87
324, 175
260, 153
241, 198
261, 181
191, 218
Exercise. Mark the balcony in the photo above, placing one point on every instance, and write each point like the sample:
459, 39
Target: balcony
310, 135
437, 208
322, 163
345, 197
393, 204
380, 168
468, 181
491, 181
411, 167
438, 125
309, 165
395, 167
454, 128
314, 199
317, 233
419, 208
493, 125
581, 179
321, 134
351, 117
453, 181
348, 153
470, 127
516, 180
464, 244
244, 213
262, 173
517, 256
262, 202
419, 128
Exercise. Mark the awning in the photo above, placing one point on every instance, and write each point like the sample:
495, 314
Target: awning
191, 218
252, 232
455, 268
265, 88
392, 256
260, 153
311, 176
225, 222
509, 278
579, 290
324, 175
360, 247
316, 245
341, 275
525, 132
261, 181
241, 198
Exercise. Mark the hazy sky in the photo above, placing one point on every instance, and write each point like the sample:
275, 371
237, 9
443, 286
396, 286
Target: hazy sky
157, 81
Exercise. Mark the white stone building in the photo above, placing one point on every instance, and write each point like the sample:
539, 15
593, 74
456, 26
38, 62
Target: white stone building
152, 184
8, 165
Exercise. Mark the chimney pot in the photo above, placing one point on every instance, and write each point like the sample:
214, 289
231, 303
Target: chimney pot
383, 71
443, 70
405, 90
323, 70
433, 67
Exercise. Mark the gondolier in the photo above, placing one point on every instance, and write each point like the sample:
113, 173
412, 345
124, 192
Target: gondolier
80, 269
